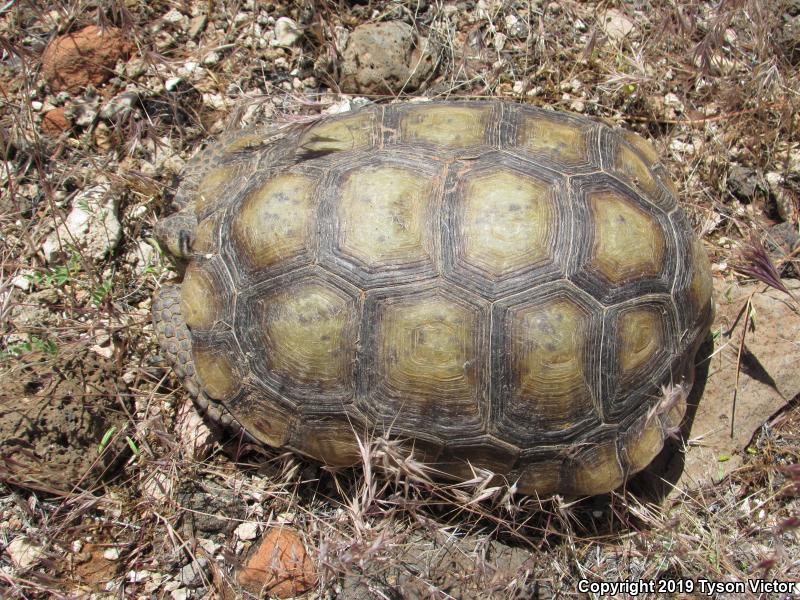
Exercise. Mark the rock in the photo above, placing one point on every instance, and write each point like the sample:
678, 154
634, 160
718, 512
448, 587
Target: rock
92, 225
83, 112
72, 61
781, 241
210, 511
196, 26
386, 58
743, 183
55, 122
23, 553
120, 106
279, 566
195, 574
287, 33
616, 25
247, 531
516, 27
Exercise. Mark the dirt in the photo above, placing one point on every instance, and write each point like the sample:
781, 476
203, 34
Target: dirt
54, 413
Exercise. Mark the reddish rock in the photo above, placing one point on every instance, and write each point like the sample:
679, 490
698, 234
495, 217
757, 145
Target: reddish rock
279, 567
75, 60
54, 122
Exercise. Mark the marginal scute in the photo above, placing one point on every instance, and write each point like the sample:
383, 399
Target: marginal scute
244, 142
205, 235
428, 358
453, 126
261, 414
382, 216
629, 243
200, 301
595, 469
642, 145
635, 170
212, 188
541, 478
507, 222
273, 223
465, 459
640, 335
309, 336
353, 132
700, 288
556, 141
332, 442
216, 372
642, 442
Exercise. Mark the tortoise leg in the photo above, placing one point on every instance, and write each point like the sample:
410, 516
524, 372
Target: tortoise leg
174, 339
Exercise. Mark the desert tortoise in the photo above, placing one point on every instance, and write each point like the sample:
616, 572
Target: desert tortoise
501, 286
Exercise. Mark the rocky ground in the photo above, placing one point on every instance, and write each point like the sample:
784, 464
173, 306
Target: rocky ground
111, 483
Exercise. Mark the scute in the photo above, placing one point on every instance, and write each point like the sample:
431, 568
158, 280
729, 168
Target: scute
508, 222
451, 126
349, 133
382, 217
274, 222
628, 243
428, 365
493, 286
545, 361
308, 333
563, 143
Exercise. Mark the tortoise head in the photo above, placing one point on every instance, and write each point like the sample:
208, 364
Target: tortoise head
176, 233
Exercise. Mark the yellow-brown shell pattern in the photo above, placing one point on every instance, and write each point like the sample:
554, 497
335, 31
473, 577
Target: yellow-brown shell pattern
505, 287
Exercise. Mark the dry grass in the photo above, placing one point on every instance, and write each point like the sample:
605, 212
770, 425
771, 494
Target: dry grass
714, 86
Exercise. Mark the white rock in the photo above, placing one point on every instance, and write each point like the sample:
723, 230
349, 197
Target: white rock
681, 147
210, 546
111, 553
342, 106
519, 87
36, 105
195, 574
211, 58
499, 41
23, 553
173, 16
287, 33
516, 27
172, 83
92, 225
577, 106
22, 281
616, 25
672, 101
247, 530
179, 594
774, 180
138, 576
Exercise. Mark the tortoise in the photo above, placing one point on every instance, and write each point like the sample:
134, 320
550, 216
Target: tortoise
493, 285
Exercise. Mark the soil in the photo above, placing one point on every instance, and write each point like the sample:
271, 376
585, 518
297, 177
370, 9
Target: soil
53, 418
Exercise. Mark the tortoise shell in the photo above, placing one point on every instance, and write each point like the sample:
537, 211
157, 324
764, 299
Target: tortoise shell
499, 286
